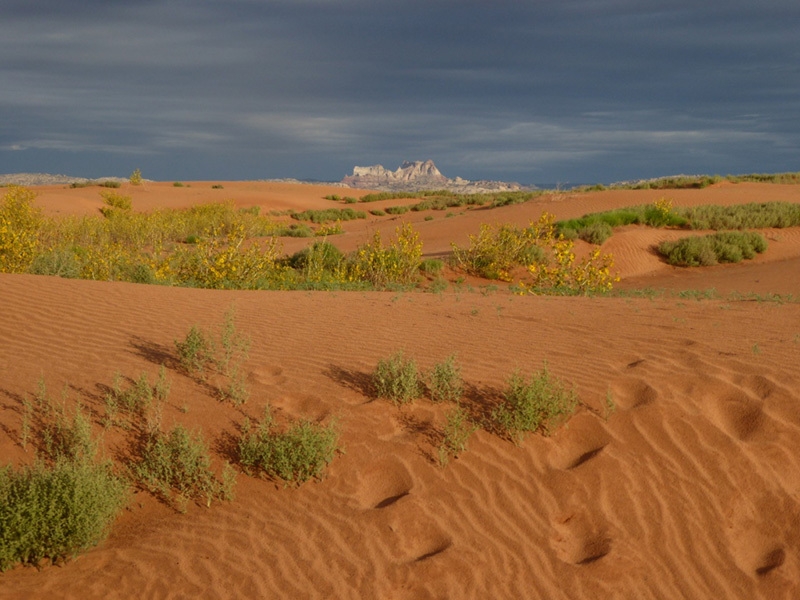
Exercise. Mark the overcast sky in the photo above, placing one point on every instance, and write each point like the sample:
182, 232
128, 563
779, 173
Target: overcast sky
532, 91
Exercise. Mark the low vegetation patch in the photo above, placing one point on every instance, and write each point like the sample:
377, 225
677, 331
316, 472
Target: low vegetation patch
329, 215
743, 216
295, 454
723, 247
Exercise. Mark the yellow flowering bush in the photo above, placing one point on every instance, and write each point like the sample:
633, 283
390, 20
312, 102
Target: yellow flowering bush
495, 250
397, 263
223, 262
20, 223
561, 273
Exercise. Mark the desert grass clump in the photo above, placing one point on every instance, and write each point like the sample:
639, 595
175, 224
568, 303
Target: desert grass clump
723, 247
55, 512
176, 466
457, 431
397, 379
538, 402
296, 454
444, 381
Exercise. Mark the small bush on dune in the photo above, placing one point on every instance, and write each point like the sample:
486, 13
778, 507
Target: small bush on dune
540, 401
297, 454
397, 379
596, 233
456, 433
176, 467
444, 381
56, 512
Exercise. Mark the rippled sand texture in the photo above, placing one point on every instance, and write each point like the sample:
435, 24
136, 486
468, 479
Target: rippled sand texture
678, 477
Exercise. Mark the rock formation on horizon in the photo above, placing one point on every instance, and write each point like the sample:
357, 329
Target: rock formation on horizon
420, 175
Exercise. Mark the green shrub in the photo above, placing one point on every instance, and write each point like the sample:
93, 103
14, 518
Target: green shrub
397, 379
444, 381
431, 266
297, 454
700, 251
56, 512
378, 212
176, 467
541, 401
456, 433
397, 210
59, 262
596, 233
136, 177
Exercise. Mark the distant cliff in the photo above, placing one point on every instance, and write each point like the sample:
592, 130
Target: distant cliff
420, 175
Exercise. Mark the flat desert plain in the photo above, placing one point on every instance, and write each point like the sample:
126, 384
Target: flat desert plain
688, 487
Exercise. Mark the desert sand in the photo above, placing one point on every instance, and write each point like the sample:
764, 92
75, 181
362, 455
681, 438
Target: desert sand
690, 488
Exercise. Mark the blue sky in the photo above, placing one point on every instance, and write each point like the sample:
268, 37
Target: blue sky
555, 91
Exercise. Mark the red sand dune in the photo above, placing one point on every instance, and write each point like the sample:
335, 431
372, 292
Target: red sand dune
689, 489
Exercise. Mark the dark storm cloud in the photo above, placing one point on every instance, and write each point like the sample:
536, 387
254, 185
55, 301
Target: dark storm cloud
572, 91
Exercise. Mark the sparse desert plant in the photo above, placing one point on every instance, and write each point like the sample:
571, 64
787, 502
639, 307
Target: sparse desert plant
177, 467
397, 379
195, 352
55, 512
541, 401
456, 433
296, 454
444, 381
136, 177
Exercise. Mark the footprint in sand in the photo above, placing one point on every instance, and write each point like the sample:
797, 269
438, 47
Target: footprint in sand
632, 392
756, 537
269, 375
584, 439
577, 540
738, 415
383, 484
